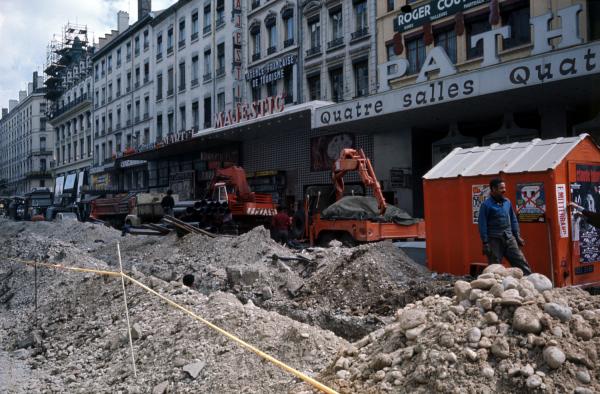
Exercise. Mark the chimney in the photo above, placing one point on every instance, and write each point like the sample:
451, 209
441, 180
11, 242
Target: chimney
4, 112
12, 104
35, 81
40, 82
29, 88
144, 8
122, 21
22, 95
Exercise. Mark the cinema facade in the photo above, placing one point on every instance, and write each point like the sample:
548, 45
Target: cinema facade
531, 72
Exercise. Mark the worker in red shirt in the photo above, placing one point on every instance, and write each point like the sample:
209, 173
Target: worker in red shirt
280, 226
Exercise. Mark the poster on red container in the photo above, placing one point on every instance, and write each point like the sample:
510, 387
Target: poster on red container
585, 191
531, 202
478, 195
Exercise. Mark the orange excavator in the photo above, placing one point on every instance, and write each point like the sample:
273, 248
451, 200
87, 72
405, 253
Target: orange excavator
352, 231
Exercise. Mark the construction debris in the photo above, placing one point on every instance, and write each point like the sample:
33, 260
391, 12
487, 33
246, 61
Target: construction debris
411, 330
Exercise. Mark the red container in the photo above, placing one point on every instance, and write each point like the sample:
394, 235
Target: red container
541, 177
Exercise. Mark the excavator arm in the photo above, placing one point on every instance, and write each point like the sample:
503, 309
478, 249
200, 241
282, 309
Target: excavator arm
236, 177
355, 160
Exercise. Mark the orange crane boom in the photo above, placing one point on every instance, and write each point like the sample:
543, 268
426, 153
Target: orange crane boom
355, 160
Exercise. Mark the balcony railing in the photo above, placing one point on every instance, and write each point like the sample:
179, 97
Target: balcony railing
181, 44
313, 51
117, 126
181, 88
136, 85
288, 43
255, 56
271, 50
169, 92
336, 42
206, 29
220, 21
169, 51
159, 56
146, 79
194, 36
255, 4
220, 71
194, 81
128, 123
146, 116
207, 77
137, 119
360, 33
67, 107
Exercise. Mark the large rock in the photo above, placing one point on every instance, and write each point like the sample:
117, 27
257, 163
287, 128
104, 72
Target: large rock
462, 289
160, 388
510, 282
526, 320
540, 282
473, 335
581, 329
554, 357
511, 297
194, 369
483, 284
500, 348
411, 318
561, 312
495, 269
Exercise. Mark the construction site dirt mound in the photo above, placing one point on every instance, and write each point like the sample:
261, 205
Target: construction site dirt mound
498, 333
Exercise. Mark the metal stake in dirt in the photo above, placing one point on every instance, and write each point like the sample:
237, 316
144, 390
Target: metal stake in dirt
35, 274
126, 310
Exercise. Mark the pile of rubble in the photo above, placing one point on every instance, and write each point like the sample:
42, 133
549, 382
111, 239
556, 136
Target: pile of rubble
500, 333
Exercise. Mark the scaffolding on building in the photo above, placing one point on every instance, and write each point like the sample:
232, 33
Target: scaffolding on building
68, 61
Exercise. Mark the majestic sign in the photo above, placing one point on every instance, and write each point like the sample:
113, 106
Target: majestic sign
244, 112
236, 15
436, 9
544, 67
270, 72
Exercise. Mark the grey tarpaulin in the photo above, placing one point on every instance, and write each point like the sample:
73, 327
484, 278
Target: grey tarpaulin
365, 208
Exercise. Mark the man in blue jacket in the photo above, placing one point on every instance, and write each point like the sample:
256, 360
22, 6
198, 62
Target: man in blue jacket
499, 229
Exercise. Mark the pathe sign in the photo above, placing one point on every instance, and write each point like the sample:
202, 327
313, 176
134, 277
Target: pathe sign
545, 65
245, 112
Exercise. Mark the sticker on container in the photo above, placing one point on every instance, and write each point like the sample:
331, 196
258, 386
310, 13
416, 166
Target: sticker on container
531, 202
478, 195
585, 191
561, 203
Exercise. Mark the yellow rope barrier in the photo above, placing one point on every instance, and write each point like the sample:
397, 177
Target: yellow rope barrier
316, 384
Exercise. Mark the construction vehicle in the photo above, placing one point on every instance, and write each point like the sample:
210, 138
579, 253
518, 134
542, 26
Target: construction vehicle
361, 226
37, 202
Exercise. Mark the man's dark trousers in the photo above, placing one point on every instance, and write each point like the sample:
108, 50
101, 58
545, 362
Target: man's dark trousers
507, 247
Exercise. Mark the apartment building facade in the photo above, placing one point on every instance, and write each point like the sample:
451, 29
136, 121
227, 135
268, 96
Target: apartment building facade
339, 44
123, 113
26, 141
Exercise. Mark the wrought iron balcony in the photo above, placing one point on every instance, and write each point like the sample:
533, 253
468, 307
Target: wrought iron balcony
313, 51
255, 56
288, 43
336, 42
271, 50
360, 33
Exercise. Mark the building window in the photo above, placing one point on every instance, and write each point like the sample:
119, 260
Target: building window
337, 27
337, 84
182, 117
221, 102
181, 33
128, 51
195, 25
181, 76
473, 28
221, 59
314, 28
272, 89
288, 84
389, 49
256, 94
415, 53
136, 45
361, 78
289, 31
170, 82
195, 115
109, 61
517, 17
207, 19
272, 33
447, 39
42, 143
159, 46
146, 107
207, 112
256, 44
390, 5
146, 72
360, 11
195, 70
170, 40
220, 12
170, 123
159, 126
207, 66
146, 39
128, 81
594, 19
